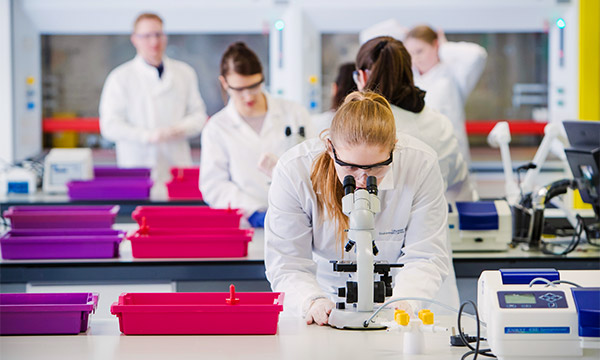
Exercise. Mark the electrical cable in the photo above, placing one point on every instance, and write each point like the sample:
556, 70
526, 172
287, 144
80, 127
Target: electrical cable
579, 227
519, 169
475, 351
563, 282
588, 233
548, 282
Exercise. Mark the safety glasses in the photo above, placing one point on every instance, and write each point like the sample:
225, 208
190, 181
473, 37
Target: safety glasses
252, 89
364, 167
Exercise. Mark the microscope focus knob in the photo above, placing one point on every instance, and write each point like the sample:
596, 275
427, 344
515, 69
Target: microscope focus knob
375, 249
349, 245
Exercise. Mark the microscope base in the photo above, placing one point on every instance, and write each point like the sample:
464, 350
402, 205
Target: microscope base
350, 319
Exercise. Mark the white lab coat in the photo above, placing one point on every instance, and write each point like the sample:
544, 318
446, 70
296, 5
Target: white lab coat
449, 83
135, 101
435, 130
466, 62
322, 121
443, 95
231, 150
411, 229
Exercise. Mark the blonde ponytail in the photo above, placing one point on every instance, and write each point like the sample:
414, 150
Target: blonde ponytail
329, 192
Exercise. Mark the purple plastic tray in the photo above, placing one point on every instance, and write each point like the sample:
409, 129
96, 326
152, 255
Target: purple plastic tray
61, 244
63, 313
110, 189
60, 217
115, 172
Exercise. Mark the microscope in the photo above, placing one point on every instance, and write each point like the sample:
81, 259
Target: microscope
360, 296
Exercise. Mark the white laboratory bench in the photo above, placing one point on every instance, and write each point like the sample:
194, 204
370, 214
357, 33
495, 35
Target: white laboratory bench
294, 340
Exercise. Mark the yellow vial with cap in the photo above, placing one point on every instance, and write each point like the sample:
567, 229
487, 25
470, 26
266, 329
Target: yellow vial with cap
401, 317
426, 316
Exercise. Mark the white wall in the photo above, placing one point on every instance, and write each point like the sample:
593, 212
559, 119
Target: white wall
181, 16
6, 114
256, 16
339, 16
27, 89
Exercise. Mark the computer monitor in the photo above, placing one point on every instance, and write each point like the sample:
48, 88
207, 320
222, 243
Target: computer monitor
585, 165
583, 134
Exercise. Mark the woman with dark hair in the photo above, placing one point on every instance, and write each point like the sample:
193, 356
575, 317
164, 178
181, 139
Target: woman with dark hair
384, 65
342, 86
242, 142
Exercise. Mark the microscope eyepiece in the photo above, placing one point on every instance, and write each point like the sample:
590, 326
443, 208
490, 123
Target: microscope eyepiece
372, 185
349, 184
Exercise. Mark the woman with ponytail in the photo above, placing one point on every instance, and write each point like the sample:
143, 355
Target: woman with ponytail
304, 227
384, 65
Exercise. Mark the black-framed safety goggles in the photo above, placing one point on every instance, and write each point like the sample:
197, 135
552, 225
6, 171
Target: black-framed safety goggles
364, 167
249, 87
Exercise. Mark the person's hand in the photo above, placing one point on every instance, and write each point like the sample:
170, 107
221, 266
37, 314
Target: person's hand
319, 311
267, 163
156, 136
441, 37
173, 133
153, 136
257, 219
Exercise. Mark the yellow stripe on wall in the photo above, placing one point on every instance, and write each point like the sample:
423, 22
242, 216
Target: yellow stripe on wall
589, 59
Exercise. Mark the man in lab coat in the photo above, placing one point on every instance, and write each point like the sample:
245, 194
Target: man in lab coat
151, 105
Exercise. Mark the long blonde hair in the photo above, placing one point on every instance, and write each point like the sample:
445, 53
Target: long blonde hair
363, 118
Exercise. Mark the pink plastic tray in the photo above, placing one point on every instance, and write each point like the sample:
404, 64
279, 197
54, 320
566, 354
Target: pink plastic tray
198, 313
61, 244
61, 313
186, 217
183, 189
70, 216
188, 174
190, 243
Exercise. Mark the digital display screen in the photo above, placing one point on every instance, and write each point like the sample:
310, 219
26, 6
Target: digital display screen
527, 298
